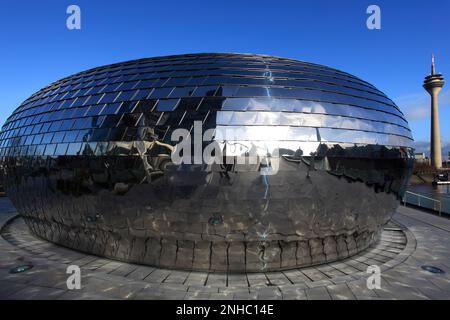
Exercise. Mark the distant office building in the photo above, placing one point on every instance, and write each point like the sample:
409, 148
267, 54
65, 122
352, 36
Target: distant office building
421, 158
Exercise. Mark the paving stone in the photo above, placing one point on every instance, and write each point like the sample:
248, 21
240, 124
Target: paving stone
8, 288
340, 292
278, 278
124, 270
140, 273
196, 279
221, 296
110, 266
50, 279
173, 286
440, 282
209, 289
157, 276
294, 294
217, 279
314, 274
82, 295
320, 283
36, 293
85, 260
319, 293
257, 278
271, 293
178, 277
245, 296
159, 294
434, 294
197, 296
124, 290
395, 292
295, 276
330, 271
360, 290
233, 289
342, 279
237, 280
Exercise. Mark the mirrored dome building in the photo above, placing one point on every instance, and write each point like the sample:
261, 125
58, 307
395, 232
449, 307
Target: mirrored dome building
88, 162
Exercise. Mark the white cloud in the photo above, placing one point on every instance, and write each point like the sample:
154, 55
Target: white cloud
424, 146
416, 106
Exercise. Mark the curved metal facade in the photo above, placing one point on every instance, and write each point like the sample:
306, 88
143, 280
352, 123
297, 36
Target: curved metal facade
87, 162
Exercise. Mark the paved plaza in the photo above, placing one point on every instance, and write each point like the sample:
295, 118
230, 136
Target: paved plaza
413, 239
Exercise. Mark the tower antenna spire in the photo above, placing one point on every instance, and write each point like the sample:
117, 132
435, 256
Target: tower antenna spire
433, 67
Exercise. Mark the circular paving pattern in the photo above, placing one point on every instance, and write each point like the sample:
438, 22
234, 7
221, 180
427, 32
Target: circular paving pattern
395, 245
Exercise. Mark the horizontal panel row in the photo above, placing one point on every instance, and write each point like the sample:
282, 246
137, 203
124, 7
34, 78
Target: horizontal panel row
268, 118
263, 132
127, 68
186, 120
226, 91
195, 103
211, 77
149, 120
110, 93
304, 106
263, 64
228, 148
118, 114
312, 95
286, 133
90, 89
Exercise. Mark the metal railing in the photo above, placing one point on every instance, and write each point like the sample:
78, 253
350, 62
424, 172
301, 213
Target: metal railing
423, 201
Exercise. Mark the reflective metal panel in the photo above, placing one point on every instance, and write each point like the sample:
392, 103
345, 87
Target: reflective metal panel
310, 162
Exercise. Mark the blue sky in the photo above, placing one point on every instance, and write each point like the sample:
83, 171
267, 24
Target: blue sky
37, 48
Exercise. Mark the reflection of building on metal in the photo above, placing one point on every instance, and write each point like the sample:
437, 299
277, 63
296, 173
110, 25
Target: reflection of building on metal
88, 162
433, 83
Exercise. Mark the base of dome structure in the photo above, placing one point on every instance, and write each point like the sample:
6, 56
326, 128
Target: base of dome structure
219, 256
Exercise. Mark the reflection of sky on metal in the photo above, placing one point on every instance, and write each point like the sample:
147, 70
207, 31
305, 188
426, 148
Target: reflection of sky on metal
304, 106
253, 118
